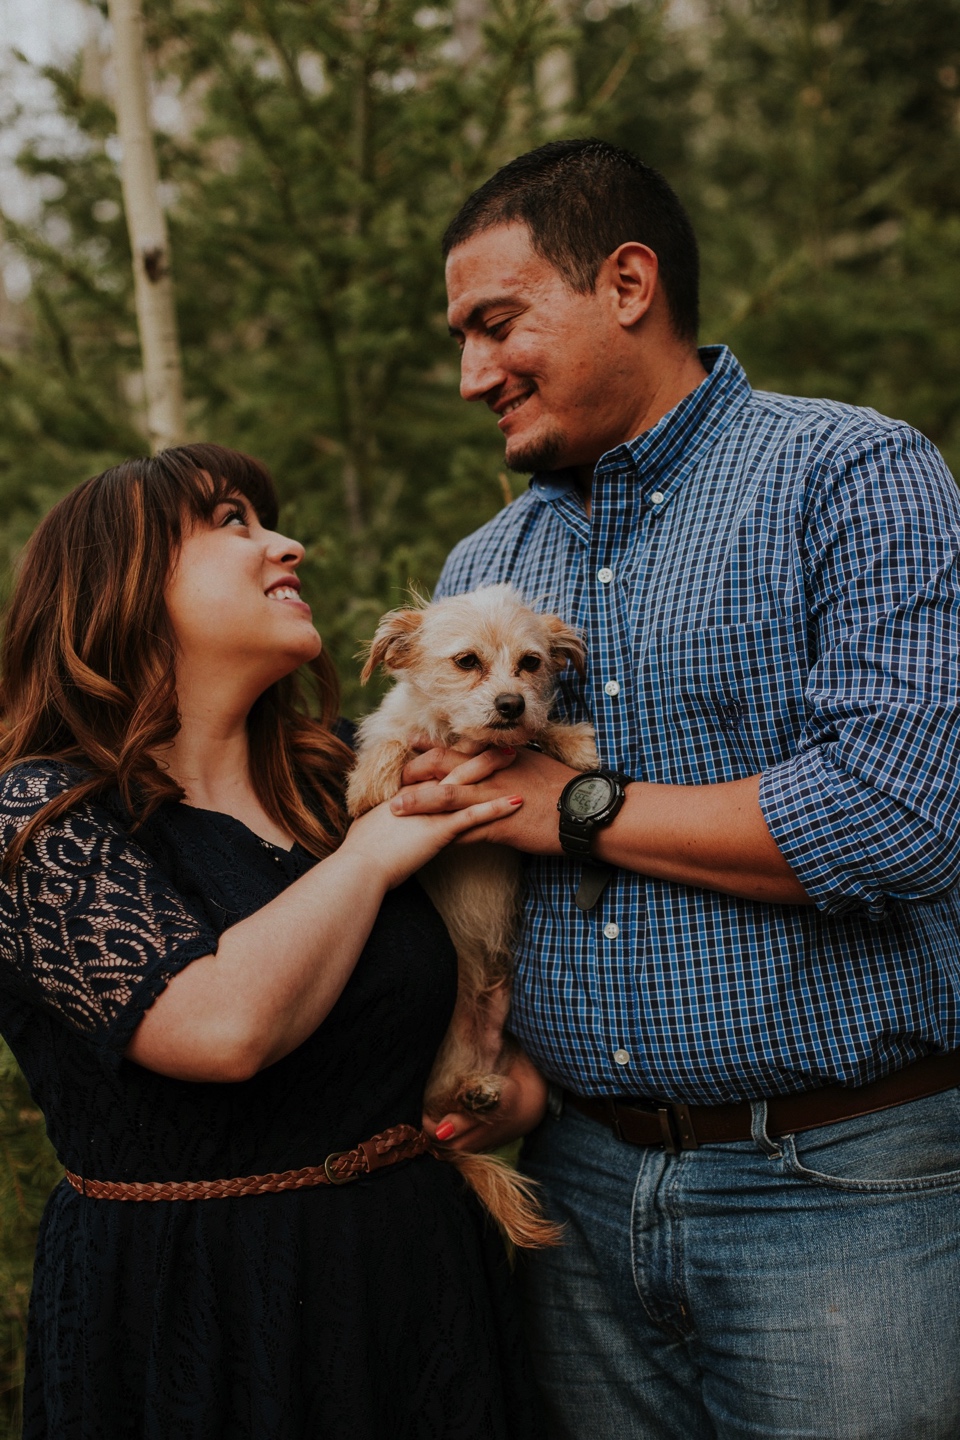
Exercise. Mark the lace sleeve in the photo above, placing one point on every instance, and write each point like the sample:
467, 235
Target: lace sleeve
89, 926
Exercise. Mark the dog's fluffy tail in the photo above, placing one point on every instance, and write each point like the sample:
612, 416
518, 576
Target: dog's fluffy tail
510, 1198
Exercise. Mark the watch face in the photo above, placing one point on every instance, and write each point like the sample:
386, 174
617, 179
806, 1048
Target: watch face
589, 797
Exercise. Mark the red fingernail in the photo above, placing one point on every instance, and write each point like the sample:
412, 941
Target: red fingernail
445, 1130
516, 800
507, 750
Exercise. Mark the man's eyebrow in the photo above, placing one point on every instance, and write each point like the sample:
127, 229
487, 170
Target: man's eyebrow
479, 310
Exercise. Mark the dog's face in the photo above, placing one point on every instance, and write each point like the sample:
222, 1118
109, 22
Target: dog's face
484, 663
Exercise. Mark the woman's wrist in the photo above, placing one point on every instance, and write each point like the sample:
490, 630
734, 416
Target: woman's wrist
358, 863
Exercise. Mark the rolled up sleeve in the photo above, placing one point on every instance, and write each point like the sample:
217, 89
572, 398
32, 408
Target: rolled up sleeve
869, 808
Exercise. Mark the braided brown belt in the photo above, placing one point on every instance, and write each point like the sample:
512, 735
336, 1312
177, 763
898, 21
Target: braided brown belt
400, 1142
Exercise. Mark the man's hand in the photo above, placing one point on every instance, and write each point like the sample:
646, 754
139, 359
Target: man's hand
522, 1106
434, 781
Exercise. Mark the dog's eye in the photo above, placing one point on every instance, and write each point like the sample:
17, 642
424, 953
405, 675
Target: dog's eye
530, 663
468, 662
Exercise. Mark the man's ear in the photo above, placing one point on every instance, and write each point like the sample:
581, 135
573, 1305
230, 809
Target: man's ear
393, 644
633, 271
565, 644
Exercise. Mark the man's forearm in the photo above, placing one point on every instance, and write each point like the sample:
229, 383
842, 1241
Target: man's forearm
713, 836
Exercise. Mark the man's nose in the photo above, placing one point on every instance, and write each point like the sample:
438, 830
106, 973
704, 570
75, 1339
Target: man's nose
479, 372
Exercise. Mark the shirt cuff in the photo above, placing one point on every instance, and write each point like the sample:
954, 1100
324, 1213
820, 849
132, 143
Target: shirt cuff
823, 841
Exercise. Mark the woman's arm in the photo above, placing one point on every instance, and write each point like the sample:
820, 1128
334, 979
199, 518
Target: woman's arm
277, 974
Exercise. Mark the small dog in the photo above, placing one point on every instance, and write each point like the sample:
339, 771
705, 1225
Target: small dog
479, 667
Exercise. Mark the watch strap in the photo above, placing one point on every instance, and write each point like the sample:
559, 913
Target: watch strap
576, 842
594, 879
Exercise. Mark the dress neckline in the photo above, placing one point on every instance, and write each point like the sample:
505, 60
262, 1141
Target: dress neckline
223, 815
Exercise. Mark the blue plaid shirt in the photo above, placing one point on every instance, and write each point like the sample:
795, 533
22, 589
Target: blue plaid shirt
767, 585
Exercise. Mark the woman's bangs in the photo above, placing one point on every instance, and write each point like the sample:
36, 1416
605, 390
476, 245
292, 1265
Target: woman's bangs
207, 475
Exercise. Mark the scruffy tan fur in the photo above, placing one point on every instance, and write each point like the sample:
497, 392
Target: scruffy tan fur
452, 661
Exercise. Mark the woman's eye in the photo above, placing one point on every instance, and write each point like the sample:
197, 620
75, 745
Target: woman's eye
468, 662
235, 515
530, 663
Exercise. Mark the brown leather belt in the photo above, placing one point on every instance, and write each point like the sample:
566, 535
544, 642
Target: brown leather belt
679, 1127
400, 1142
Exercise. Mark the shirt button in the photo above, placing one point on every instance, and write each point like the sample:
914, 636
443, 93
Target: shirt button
657, 497
611, 929
622, 1057
605, 575
612, 687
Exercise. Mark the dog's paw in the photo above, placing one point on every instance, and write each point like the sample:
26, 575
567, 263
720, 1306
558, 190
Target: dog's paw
574, 745
360, 796
375, 777
479, 1093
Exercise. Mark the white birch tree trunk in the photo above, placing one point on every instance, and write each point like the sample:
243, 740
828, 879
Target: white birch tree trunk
149, 245
468, 18
556, 76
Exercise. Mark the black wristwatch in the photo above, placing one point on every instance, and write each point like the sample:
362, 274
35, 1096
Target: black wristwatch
587, 803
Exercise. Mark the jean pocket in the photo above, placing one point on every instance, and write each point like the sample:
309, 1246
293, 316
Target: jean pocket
910, 1147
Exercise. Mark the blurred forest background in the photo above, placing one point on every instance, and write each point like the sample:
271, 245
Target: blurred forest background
311, 152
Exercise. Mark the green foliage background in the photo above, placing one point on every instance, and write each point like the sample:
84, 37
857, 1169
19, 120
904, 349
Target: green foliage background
815, 142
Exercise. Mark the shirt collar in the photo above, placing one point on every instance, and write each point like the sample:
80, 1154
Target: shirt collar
680, 436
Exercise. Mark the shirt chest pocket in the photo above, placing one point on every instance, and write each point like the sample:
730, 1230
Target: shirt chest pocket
721, 703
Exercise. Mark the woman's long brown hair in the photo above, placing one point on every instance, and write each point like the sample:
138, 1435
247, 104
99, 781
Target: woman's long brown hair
89, 654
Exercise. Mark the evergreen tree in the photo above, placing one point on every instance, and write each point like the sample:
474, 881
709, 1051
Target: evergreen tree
819, 153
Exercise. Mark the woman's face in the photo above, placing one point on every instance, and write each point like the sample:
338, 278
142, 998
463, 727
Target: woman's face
233, 600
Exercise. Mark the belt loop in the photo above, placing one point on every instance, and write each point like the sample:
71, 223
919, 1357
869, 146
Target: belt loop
369, 1150
758, 1130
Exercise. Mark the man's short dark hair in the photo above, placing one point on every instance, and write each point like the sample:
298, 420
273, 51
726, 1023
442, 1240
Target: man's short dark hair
580, 200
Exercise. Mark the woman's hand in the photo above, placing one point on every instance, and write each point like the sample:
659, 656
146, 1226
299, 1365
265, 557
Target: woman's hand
395, 845
523, 1104
436, 780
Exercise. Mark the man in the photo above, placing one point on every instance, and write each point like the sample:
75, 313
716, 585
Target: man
739, 965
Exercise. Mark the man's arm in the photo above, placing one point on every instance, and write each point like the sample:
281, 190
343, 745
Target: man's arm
712, 836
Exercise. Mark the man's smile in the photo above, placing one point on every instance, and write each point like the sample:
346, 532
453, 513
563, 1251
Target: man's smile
505, 408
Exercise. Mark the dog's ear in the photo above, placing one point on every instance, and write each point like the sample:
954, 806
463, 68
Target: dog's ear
392, 645
565, 644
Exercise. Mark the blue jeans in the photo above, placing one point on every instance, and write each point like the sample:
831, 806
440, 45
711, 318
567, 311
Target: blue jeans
807, 1287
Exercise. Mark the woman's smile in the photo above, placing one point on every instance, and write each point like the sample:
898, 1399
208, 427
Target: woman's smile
287, 590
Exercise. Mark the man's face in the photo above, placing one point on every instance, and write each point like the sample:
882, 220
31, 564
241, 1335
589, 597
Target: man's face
545, 359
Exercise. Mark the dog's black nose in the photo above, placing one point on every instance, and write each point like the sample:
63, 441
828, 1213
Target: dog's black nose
511, 707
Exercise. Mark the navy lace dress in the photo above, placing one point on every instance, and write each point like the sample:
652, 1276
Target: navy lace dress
376, 1311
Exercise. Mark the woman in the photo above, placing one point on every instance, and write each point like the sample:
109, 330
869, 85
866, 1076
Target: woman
205, 979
